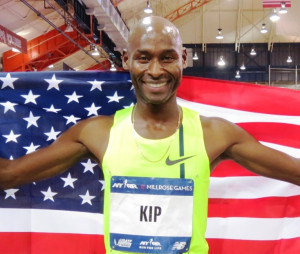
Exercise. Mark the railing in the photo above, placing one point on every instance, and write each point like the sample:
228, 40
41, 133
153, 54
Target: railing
284, 77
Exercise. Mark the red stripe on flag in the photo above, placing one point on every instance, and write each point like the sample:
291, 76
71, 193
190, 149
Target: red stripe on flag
278, 133
281, 207
46, 243
228, 246
241, 96
230, 168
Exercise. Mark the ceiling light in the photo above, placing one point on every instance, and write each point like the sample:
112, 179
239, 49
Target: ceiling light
243, 67
15, 50
237, 74
112, 67
283, 9
220, 35
94, 50
274, 17
148, 9
195, 57
50, 66
253, 52
263, 29
221, 61
69, 28
289, 59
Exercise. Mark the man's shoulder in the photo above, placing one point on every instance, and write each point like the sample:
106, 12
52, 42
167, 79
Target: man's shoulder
219, 127
98, 122
219, 135
91, 126
211, 121
93, 133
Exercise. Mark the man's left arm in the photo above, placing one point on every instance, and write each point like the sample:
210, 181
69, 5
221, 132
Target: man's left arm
248, 152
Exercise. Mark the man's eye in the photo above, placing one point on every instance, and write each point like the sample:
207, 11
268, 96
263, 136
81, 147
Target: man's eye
143, 59
168, 58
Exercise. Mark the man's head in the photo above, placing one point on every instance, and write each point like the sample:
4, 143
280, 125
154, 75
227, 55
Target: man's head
155, 59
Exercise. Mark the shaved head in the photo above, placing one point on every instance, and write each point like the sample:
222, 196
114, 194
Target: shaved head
155, 59
150, 26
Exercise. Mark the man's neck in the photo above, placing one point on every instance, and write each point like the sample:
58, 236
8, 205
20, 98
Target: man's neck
156, 121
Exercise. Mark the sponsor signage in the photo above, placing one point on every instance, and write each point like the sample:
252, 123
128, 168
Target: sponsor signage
13, 40
276, 3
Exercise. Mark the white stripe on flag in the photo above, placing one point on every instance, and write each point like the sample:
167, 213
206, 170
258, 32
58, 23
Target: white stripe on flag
253, 228
238, 116
294, 152
50, 221
249, 187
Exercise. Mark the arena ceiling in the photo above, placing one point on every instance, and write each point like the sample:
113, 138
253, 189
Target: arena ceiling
197, 20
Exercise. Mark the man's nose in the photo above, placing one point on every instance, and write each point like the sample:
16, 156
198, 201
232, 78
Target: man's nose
155, 68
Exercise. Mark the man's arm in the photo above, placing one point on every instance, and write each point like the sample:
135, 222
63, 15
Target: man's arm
225, 140
43, 163
76, 143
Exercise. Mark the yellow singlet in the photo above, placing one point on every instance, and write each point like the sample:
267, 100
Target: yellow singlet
123, 158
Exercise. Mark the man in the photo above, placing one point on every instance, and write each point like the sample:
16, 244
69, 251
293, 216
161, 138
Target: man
156, 147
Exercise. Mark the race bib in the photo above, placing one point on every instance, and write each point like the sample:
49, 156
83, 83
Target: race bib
151, 215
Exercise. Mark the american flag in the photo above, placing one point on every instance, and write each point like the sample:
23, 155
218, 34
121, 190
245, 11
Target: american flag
35, 108
247, 213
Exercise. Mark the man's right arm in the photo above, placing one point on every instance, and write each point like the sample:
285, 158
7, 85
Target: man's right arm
46, 162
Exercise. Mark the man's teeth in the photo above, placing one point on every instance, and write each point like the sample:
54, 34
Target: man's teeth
155, 85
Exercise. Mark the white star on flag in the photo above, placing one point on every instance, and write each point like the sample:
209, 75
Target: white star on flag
88, 166
49, 194
31, 119
96, 84
8, 81
30, 97
87, 198
102, 184
8, 106
71, 119
115, 97
132, 87
93, 110
30, 148
12, 137
10, 193
52, 109
73, 97
52, 135
53, 82
69, 181
132, 104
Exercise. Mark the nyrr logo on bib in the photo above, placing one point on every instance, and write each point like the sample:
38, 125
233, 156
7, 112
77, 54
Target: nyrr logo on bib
150, 245
124, 185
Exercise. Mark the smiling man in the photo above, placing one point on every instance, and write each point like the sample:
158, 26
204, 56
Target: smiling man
156, 60
156, 156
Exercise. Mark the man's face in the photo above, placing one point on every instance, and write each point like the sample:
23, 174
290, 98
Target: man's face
155, 61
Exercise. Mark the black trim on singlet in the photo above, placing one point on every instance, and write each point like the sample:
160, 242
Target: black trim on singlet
181, 151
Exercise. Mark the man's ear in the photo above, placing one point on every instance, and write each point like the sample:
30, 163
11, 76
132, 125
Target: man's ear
184, 58
125, 59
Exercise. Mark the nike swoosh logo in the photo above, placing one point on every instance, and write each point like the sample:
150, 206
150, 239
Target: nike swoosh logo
172, 162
